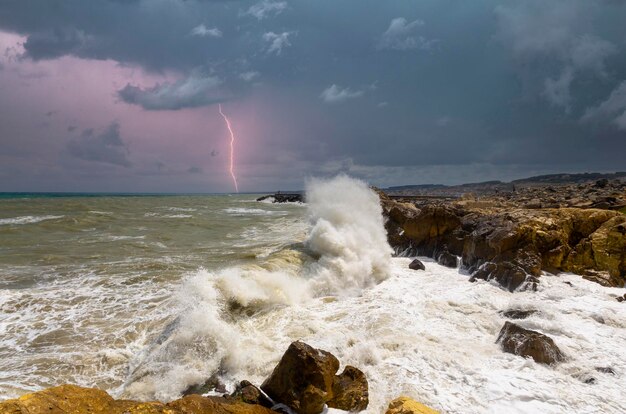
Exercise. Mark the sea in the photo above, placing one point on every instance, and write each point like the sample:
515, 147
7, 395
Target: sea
145, 295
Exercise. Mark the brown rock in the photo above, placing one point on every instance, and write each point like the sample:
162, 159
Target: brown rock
524, 342
248, 393
303, 379
417, 264
71, 399
405, 405
350, 391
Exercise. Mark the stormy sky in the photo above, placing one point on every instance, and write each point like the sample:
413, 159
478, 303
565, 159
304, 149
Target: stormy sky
122, 95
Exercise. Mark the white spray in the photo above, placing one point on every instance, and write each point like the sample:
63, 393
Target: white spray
212, 330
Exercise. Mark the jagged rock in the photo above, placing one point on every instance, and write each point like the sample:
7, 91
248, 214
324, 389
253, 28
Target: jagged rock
71, 399
518, 313
350, 390
249, 393
303, 379
447, 259
405, 405
417, 264
527, 343
519, 242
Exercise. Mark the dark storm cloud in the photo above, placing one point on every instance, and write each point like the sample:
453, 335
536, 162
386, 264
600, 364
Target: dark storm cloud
185, 93
386, 85
106, 147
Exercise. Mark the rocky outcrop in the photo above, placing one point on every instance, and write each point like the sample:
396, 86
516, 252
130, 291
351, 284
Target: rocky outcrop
513, 245
71, 399
305, 380
523, 342
405, 405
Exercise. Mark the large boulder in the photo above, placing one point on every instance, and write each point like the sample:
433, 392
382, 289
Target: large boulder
350, 390
405, 405
305, 381
71, 399
523, 342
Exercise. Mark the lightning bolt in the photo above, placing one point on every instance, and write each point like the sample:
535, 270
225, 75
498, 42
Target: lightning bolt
232, 148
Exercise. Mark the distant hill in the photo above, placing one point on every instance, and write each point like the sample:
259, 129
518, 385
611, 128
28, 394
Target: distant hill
499, 186
570, 178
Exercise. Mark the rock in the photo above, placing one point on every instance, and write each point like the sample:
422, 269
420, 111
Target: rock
447, 259
405, 405
71, 399
248, 393
508, 275
283, 198
303, 379
518, 313
620, 299
518, 242
350, 391
606, 370
524, 342
533, 204
601, 183
212, 384
417, 264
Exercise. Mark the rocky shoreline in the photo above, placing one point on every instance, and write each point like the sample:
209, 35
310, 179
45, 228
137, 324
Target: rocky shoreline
508, 239
305, 381
501, 239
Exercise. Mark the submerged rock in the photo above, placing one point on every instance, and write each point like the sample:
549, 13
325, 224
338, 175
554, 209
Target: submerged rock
518, 313
405, 405
417, 264
305, 380
71, 399
523, 342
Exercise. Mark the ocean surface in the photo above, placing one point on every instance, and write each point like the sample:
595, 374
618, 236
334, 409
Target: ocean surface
144, 296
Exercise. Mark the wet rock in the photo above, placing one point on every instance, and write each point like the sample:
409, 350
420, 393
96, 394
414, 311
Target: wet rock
212, 384
249, 393
518, 313
417, 264
606, 370
508, 275
303, 379
283, 198
405, 405
71, 399
447, 259
527, 343
350, 391
620, 299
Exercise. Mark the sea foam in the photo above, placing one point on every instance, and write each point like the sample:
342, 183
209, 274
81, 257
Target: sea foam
348, 253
